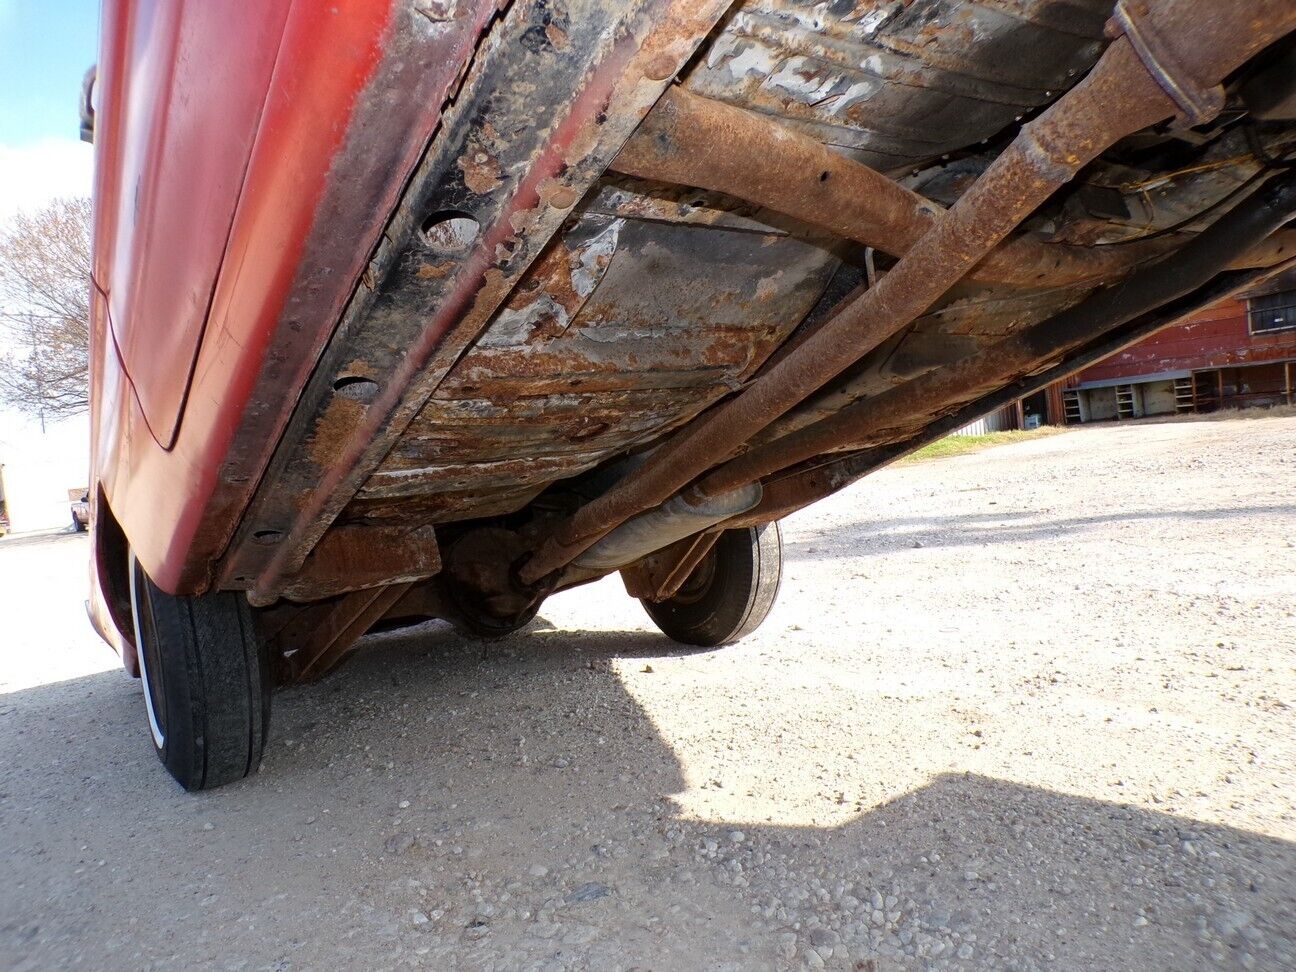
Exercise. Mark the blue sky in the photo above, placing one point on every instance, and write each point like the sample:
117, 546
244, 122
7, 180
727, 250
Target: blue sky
45, 48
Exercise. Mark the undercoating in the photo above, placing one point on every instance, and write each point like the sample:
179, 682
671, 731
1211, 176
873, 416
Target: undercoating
655, 301
651, 302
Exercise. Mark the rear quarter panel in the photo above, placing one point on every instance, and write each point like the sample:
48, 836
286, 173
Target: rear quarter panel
184, 86
352, 93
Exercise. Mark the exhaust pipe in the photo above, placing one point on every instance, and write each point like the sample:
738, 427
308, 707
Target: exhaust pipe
673, 520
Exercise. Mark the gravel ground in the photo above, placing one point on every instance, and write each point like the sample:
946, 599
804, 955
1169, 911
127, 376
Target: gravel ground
1029, 708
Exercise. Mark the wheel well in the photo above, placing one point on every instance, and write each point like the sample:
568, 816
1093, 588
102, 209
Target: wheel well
110, 549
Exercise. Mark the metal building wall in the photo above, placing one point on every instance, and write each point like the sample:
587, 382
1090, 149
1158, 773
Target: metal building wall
1001, 420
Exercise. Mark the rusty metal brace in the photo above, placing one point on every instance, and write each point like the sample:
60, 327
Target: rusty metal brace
1197, 104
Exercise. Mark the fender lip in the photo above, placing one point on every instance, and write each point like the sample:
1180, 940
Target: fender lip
101, 620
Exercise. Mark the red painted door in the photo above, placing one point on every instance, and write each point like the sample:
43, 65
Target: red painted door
188, 82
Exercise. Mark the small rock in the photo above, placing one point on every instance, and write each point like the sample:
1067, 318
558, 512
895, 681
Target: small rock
737, 836
420, 918
821, 938
208, 826
561, 762
580, 935
1140, 921
404, 804
964, 951
787, 945
589, 891
400, 843
1231, 922
538, 870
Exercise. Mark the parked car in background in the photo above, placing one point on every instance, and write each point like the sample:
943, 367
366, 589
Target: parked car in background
436, 309
79, 502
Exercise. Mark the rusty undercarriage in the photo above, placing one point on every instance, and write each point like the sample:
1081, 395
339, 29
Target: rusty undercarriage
671, 267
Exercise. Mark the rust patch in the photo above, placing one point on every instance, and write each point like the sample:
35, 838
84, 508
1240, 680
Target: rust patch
585, 428
555, 193
660, 68
359, 367
337, 424
434, 271
556, 36
481, 170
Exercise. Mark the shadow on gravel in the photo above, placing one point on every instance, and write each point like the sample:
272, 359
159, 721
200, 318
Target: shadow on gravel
504, 762
979, 529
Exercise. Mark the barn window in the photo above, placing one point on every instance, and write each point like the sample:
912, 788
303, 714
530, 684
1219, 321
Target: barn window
1272, 312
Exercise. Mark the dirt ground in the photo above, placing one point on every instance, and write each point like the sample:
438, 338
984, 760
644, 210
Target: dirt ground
1029, 708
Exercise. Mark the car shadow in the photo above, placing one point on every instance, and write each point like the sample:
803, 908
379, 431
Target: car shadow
433, 805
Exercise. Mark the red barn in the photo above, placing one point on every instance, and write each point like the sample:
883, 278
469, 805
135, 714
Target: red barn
1237, 354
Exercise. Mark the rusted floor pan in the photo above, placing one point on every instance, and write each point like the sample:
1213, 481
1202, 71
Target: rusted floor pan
536, 312
612, 337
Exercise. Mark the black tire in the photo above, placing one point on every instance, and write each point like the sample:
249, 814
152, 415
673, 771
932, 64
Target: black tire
206, 682
729, 593
77, 525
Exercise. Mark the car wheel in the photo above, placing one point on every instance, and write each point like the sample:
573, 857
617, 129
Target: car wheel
729, 593
206, 682
77, 525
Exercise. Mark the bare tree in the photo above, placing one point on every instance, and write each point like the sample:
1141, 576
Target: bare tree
45, 310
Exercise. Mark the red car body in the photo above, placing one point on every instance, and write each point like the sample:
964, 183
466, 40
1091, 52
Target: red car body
376, 280
227, 158
410, 309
